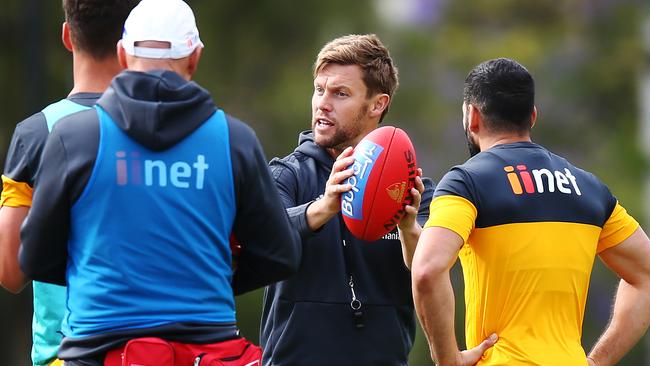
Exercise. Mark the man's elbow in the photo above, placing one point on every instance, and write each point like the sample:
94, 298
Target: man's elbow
424, 274
13, 283
12, 277
420, 279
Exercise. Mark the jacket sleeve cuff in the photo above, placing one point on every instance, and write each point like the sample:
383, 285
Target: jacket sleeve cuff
298, 219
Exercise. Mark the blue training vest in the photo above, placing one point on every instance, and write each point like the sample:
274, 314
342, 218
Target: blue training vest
149, 240
49, 299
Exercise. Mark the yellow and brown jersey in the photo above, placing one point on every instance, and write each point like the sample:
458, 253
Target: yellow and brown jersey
532, 225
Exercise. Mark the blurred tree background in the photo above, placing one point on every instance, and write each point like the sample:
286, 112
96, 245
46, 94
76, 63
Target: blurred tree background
587, 57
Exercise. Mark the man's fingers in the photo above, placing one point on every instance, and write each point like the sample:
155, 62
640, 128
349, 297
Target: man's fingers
340, 188
488, 342
339, 177
472, 356
417, 198
347, 152
410, 210
342, 164
419, 185
344, 160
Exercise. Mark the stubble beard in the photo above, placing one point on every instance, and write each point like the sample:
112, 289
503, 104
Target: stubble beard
343, 136
472, 146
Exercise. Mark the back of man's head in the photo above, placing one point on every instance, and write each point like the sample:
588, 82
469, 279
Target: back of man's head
161, 34
504, 93
161, 29
96, 25
366, 51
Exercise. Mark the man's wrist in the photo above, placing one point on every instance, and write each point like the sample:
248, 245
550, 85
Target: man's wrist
318, 213
412, 229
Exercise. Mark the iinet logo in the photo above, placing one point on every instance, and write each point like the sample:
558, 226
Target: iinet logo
130, 170
544, 180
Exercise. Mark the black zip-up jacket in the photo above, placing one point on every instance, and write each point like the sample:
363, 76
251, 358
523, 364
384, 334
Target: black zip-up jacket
308, 319
157, 109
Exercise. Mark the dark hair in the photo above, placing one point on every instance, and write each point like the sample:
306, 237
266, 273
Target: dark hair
97, 25
367, 51
504, 93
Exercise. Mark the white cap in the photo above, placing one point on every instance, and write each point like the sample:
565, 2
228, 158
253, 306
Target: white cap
165, 21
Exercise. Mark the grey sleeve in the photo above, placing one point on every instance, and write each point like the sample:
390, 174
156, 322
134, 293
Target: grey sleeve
287, 184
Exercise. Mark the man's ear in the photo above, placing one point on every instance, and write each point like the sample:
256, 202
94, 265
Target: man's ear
66, 37
475, 118
121, 55
533, 117
193, 62
379, 105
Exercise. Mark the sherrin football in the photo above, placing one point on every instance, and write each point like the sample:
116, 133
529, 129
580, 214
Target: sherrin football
384, 173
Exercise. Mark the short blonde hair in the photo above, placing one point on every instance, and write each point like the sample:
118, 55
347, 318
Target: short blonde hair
366, 51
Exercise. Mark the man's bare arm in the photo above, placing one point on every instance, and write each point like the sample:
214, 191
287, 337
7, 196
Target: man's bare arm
11, 277
630, 260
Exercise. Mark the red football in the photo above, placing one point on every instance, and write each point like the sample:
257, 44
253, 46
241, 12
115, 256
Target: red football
384, 173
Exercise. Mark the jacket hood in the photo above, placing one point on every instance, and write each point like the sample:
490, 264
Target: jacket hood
307, 146
157, 108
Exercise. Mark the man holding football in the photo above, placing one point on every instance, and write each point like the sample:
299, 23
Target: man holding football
350, 302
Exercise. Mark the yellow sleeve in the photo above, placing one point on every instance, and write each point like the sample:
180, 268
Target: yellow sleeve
15, 194
454, 213
618, 227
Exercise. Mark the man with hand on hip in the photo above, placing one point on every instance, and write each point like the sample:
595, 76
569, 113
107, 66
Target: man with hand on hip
527, 225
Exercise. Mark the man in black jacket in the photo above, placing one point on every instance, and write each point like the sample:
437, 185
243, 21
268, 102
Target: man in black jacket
350, 303
143, 193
